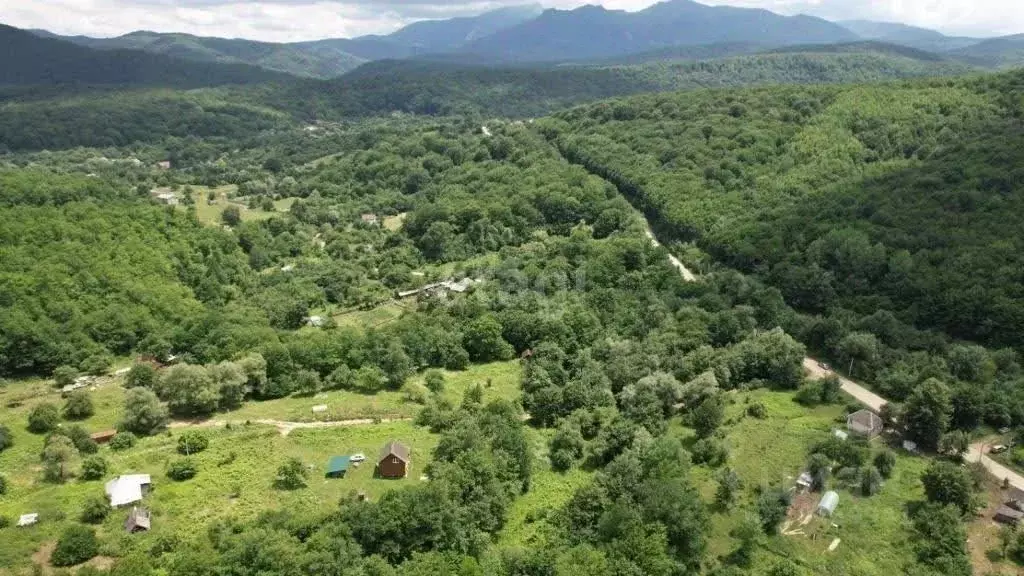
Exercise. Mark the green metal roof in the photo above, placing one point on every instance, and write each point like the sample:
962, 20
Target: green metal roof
338, 464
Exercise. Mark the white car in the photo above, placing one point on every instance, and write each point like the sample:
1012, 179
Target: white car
358, 457
998, 449
824, 366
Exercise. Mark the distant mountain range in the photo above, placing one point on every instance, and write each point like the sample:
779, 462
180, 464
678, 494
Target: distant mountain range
33, 60
521, 36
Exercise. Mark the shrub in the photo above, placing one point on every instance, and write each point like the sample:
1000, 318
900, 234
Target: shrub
95, 510
4, 522
3, 485
885, 462
434, 380
43, 418
291, 475
94, 468
76, 545
757, 410
140, 376
182, 469
192, 442
97, 364
122, 441
64, 376
6, 438
710, 451
79, 406
81, 439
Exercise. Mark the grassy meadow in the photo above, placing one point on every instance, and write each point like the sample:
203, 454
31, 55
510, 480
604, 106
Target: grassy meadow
236, 473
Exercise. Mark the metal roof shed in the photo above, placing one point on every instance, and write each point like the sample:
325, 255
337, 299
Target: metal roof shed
337, 466
828, 503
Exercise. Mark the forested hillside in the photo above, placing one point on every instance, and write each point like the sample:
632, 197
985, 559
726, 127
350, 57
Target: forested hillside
38, 119
862, 204
33, 60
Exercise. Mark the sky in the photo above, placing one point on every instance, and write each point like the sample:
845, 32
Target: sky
293, 20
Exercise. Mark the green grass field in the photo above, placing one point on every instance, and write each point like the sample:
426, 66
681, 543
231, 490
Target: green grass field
372, 318
235, 474
208, 213
774, 451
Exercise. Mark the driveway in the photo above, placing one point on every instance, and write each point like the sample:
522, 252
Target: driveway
978, 452
859, 393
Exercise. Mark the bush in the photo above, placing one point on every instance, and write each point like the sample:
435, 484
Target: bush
4, 522
757, 410
6, 438
291, 475
81, 439
79, 406
64, 376
94, 468
140, 376
885, 462
43, 418
122, 441
710, 451
76, 545
182, 469
95, 510
3, 485
434, 380
192, 442
97, 364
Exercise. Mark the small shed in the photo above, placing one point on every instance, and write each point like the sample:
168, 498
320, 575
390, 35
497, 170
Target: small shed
1015, 499
828, 503
369, 218
804, 481
28, 520
138, 521
103, 437
1007, 515
393, 460
338, 466
315, 321
864, 422
910, 446
840, 434
127, 489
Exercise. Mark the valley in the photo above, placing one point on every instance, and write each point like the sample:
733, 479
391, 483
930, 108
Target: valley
684, 290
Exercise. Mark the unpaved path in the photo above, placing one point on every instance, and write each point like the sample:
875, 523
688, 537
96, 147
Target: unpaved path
285, 427
685, 272
978, 452
859, 393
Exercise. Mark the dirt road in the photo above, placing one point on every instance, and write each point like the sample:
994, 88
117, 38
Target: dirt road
859, 393
284, 427
978, 453
683, 270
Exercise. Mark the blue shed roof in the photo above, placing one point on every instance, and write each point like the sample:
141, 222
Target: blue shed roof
338, 464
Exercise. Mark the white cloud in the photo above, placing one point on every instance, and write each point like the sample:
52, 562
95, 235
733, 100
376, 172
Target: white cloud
289, 20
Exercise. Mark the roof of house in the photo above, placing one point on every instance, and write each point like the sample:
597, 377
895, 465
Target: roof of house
28, 519
1007, 512
1015, 495
138, 518
338, 464
103, 434
864, 420
393, 448
805, 479
126, 489
829, 501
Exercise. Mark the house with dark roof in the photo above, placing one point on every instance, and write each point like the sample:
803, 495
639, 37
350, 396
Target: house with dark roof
393, 461
1007, 515
865, 423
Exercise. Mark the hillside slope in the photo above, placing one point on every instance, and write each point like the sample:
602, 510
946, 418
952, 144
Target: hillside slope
30, 59
898, 199
314, 60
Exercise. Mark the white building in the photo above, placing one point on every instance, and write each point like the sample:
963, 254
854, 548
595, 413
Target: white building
127, 489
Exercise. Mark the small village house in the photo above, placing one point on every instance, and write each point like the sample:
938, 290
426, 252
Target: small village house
138, 521
338, 466
804, 481
1007, 515
1015, 499
865, 423
370, 219
164, 165
127, 489
393, 461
